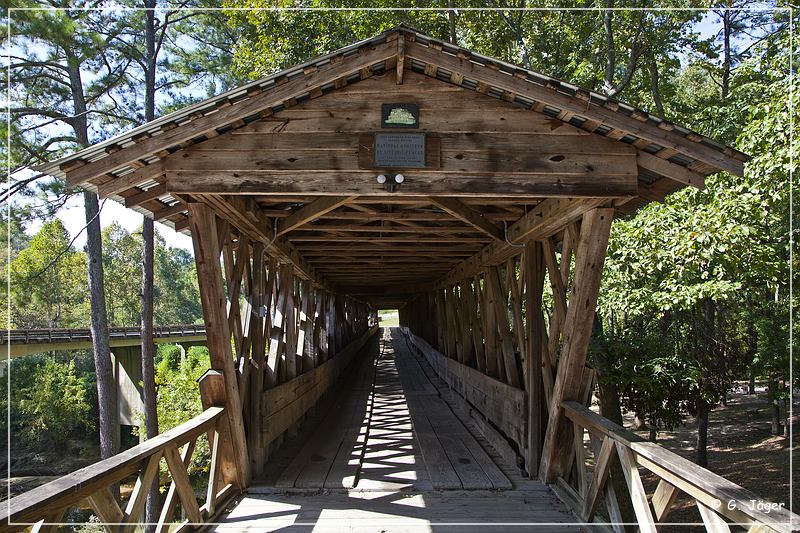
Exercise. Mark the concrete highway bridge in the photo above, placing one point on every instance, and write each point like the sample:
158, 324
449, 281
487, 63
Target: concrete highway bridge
126, 353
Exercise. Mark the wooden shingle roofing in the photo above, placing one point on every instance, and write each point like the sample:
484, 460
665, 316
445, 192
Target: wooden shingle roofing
126, 167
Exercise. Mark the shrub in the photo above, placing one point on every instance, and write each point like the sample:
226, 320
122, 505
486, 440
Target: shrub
55, 404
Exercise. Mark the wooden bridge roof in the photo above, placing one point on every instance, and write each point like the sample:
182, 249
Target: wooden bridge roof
282, 161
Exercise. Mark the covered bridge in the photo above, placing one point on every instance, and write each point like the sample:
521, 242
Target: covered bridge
401, 172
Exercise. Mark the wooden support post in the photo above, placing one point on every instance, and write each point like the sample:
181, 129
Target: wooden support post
276, 344
500, 301
213, 394
590, 255
290, 321
257, 322
320, 328
209, 275
533, 272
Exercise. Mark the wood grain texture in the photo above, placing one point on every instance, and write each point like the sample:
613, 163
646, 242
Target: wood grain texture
589, 259
502, 404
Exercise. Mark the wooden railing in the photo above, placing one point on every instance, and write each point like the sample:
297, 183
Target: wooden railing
721, 503
43, 508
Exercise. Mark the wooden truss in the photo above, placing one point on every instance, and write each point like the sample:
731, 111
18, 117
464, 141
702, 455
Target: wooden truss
495, 322
265, 325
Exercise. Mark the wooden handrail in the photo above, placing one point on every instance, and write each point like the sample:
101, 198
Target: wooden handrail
92, 482
714, 494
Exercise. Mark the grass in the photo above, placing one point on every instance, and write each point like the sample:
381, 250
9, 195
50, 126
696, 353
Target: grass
389, 318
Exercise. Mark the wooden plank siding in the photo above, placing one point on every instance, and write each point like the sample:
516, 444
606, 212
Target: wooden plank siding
524, 155
504, 405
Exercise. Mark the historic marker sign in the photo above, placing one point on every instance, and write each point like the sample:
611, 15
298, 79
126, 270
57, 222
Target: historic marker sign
400, 150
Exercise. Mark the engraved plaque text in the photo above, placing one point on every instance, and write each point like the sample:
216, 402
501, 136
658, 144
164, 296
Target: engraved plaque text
400, 150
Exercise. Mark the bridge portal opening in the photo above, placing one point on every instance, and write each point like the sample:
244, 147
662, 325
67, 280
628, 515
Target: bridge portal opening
388, 318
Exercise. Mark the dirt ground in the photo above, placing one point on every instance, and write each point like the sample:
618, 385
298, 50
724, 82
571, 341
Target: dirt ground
740, 448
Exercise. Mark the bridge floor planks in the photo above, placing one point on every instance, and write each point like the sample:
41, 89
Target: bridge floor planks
393, 451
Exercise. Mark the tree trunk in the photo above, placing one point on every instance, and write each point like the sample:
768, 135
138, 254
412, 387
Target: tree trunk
775, 406
101, 350
726, 61
148, 363
451, 18
702, 433
655, 85
611, 408
106, 385
786, 421
148, 233
653, 434
703, 406
752, 340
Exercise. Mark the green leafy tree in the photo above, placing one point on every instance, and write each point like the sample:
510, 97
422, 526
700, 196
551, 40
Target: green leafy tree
47, 289
176, 293
178, 394
122, 259
56, 404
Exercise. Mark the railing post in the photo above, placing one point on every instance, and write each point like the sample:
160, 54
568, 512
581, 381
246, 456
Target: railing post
213, 394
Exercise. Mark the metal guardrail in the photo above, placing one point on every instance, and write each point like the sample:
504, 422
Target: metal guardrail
49, 336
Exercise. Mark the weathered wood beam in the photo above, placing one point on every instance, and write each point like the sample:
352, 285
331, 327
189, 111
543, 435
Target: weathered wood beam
244, 148
670, 170
335, 182
401, 58
245, 215
416, 216
650, 132
207, 251
175, 209
589, 258
311, 211
544, 220
389, 239
360, 228
150, 194
291, 89
468, 215
138, 176
533, 273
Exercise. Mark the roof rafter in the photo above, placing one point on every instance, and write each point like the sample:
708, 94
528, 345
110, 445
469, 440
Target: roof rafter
546, 219
468, 215
246, 216
312, 211
670, 170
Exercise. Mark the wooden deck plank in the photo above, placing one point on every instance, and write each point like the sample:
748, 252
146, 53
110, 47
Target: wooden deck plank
446, 428
394, 491
394, 512
492, 471
392, 459
471, 462
419, 391
310, 468
347, 463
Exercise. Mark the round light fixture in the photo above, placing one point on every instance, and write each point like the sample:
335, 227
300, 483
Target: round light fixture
381, 179
399, 178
